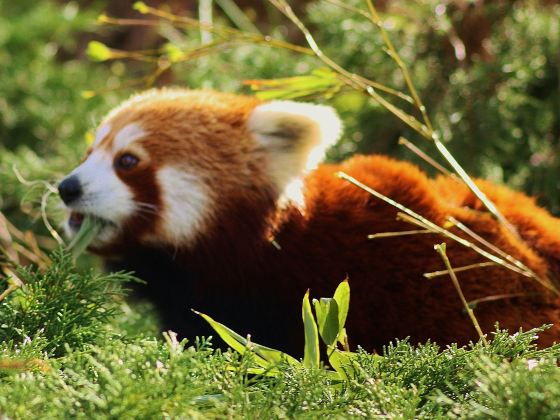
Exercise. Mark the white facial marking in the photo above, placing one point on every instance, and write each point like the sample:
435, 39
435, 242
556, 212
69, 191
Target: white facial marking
127, 135
101, 134
103, 194
186, 203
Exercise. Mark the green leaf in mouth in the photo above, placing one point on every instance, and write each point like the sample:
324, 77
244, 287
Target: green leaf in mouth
90, 228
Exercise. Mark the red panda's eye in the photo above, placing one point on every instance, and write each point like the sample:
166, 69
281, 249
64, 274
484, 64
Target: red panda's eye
127, 161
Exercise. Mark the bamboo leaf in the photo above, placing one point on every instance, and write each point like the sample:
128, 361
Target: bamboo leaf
265, 357
342, 363
91, 226
326, 310
232, 339
141, 7
320, 81
98, 51
342, 298
311, 349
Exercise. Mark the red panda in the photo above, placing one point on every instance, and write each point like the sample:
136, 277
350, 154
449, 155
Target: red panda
219, 203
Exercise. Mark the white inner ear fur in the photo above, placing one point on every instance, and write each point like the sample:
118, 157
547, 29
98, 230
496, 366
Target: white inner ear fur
296, 137
186, 205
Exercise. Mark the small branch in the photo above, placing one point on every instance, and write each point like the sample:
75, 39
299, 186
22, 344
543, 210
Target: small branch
465, 243
459, 269
418, 220
217, 29
236, 15
489, 245
494, 298
357, 82
441, 250
348, 7
474, 188
402, 233
374, 17
14, 283
416, 150
11, 288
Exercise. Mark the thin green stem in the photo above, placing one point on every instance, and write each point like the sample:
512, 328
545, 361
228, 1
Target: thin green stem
418, 220
404, 69
474, 188
458, 269
350, 78
400, 233
487, 244
414, 149
441, 250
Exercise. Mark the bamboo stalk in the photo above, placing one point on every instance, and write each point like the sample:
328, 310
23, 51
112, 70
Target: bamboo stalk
487, 244
425, 129
205, 16
494, 298
402, 66
418, 220
459, 269
441, 250
402, 233
416, 150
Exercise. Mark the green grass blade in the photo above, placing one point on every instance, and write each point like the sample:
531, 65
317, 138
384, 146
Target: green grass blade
232, 339
311, 349
326, 310
265, 357
341, 361
90, 228
342, 298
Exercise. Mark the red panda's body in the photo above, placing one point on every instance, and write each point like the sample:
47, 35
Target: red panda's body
250, 256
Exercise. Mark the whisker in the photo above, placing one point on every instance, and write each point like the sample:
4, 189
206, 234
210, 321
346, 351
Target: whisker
147, 208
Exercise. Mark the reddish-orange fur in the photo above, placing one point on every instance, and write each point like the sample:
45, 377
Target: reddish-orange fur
239, 276
390, 296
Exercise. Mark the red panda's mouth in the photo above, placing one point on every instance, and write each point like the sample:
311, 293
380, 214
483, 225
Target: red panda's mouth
75, 220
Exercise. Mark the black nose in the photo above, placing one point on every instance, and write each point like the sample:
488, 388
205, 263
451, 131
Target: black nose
70, 189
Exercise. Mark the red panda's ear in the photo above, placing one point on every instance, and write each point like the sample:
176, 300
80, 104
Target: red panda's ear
294, 135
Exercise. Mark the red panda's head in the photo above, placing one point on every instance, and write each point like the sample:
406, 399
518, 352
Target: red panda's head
166, 164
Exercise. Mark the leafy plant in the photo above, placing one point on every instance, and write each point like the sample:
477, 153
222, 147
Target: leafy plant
60, 307
328, 322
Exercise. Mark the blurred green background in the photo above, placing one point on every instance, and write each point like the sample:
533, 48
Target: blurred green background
488, 72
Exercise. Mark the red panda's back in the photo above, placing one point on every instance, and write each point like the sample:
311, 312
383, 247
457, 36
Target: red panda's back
390, 296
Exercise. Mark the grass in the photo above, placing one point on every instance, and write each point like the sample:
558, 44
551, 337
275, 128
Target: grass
72, 347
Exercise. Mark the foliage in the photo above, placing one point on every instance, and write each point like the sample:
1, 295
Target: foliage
330, 316
43, 118
498, 114
71, 347
495, 109
59, 307
104, 373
